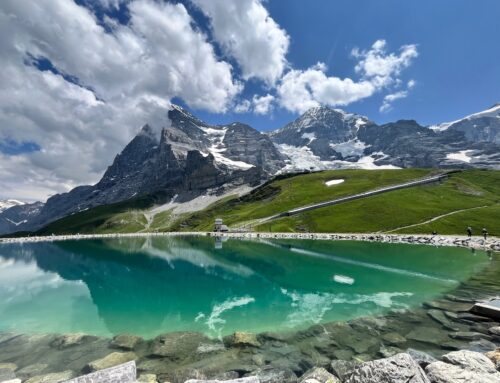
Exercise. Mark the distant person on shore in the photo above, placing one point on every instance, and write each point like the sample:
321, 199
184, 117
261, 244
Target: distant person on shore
434, 232
485, 233
469, 231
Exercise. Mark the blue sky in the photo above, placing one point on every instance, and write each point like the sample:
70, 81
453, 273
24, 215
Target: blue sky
81, 77
457, 70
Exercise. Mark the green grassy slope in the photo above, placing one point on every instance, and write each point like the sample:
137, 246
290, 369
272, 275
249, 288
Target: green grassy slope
291, 192
383, 212
123, 217
473, 189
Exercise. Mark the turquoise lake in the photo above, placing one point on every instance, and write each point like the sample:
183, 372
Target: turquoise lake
148, 286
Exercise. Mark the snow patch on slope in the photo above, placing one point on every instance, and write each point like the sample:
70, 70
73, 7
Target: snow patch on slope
350, 148
462, 155
216, 138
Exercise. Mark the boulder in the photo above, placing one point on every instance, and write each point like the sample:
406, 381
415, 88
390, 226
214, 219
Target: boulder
242, 339
470, 361
6, 374
274, 375
110, 360
342, 368
400, 368
125, 341
422, 358
54, 377
481, 345
318, 374
494, 356
177, 345
429, 335
440, 372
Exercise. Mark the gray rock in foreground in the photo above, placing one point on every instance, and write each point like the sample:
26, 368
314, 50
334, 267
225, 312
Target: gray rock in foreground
124, 373
440, 372
248, 379
400, 368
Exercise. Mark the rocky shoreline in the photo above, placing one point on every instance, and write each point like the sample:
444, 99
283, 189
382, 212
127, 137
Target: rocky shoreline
475, 242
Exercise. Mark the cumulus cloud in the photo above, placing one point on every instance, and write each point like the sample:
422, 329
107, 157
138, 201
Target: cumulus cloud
246, 32
105, 85
262, 104
380, 67
300, 90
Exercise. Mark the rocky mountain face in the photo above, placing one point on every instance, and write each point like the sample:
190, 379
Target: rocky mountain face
186, 159
325, 138
18, 216
190, 158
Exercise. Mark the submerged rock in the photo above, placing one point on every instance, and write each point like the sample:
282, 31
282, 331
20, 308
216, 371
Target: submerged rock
494, 330
393, 338
69, 340
110, 360
274, 375
8, 366
400, 368
440, 317
177, 345
469, 335
318, 374
481, 345
147, 378
429, 335
248, 379
32, 369
125, 341
239, 339
54, 377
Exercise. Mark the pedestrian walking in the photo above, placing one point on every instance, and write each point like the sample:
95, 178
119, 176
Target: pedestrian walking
485, 232
469, 231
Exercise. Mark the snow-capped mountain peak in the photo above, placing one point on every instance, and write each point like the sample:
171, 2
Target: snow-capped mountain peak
8, 203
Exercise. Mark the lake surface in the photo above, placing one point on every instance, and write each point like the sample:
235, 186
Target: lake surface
148, 286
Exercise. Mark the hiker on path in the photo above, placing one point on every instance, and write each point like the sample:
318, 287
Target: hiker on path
469, 231
485, 232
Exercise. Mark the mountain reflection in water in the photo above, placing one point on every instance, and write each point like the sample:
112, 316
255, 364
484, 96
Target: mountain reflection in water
153, 285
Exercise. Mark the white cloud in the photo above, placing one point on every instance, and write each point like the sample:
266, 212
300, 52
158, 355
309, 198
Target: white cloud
390, 98
133, 72
380, 67
262, 104
300, 90
243, 107
245, 31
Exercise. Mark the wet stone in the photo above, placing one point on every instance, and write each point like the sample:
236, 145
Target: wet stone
448, 305
249, 379
494, 330
125, 341
429, 335
481, 345
8, 366
343, 354
393, 338
110, 360
33, 369
440, 317
273, 375
342, 368
69, 340
177, 345
387, 351
54, 377
242, 339
6, 374
469, 335
440, 372
123, 373
147, 378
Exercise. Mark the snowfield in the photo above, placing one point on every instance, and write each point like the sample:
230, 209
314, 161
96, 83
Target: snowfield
334, 182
